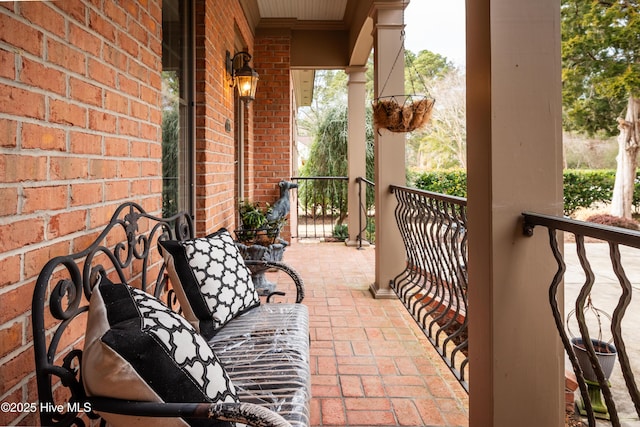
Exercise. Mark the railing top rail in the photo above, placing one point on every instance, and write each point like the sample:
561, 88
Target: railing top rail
344, 178
365, 180
438, 196
581, 228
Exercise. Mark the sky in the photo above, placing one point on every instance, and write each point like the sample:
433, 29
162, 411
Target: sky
438, 26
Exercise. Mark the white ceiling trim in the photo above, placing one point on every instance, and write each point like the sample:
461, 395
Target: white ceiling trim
305, 10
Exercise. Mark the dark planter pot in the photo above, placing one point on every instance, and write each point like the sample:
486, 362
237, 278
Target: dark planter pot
605, 352
272, 253
264, 236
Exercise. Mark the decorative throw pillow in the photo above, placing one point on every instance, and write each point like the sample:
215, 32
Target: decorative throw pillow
138, 349
211, 280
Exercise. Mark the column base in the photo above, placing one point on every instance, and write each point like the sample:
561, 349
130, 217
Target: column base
382, 293
356, 243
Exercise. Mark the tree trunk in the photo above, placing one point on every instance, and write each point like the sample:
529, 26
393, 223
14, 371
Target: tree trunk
628, 141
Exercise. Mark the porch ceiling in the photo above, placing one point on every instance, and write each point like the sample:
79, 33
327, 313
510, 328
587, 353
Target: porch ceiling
306, 10
327, 34
299, 14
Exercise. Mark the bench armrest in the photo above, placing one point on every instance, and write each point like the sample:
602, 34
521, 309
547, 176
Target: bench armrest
286, 269
246, 413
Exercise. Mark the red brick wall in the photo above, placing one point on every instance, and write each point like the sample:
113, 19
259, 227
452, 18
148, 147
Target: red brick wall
80, 132
249, 149
273, 135
216, 174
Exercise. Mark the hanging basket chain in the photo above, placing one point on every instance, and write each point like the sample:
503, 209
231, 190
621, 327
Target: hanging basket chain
393, 66
596, 312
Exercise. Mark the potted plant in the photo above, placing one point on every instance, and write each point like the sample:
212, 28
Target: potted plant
258, 240
256, 227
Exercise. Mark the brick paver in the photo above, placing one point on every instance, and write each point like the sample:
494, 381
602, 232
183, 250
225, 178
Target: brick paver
370, 363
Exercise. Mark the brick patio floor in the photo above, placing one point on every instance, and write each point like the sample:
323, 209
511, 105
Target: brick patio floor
370, 363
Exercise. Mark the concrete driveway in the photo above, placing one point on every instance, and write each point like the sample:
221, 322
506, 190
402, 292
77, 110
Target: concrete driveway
605, 295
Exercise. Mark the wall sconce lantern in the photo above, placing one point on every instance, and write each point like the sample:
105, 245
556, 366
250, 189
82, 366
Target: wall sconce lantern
244, 78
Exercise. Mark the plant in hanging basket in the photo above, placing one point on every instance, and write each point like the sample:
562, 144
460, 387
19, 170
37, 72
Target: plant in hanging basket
405, 117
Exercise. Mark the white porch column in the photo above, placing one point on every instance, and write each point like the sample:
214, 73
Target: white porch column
356, 149
389, 146
515, 164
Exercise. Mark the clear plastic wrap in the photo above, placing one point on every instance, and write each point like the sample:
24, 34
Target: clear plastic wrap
266, 354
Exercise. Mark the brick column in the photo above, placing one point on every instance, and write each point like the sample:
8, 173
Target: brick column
271, 157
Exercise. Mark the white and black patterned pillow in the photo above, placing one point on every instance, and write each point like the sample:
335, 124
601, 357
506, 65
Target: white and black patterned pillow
211, 280
138, 349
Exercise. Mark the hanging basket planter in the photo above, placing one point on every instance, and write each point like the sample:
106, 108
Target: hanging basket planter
605, 351
403, 113
414, 113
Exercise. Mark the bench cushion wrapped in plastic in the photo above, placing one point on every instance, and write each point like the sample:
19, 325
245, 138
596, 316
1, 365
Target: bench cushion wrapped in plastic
266, 354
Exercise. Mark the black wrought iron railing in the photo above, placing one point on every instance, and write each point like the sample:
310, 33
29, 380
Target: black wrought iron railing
367, 211
321, 205
433, 285
322, 208
602, 322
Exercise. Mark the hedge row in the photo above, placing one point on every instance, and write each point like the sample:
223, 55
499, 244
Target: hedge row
582, 188
453, 183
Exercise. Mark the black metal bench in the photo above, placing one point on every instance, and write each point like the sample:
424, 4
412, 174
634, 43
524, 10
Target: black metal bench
272, 380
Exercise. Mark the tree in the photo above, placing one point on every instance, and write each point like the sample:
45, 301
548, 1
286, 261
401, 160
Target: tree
330, 90
428, 65
328, 157
420, 71
601, 81
170, 142
443, 143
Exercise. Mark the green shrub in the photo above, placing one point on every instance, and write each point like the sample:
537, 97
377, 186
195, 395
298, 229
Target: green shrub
341, 232
453, 182
582, 187
370, 230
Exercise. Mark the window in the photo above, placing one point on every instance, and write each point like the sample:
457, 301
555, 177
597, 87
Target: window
177, 113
